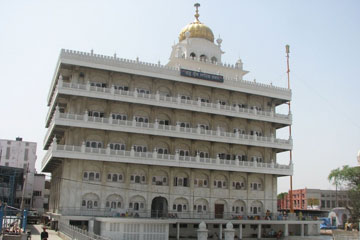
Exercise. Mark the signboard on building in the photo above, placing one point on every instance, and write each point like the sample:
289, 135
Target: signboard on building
201, 75
313, 204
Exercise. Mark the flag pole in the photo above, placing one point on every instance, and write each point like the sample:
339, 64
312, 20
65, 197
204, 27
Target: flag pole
287, 47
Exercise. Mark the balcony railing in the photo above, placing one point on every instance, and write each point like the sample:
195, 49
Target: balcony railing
154, 70
153, 158
164, 101
66, 119
155, 214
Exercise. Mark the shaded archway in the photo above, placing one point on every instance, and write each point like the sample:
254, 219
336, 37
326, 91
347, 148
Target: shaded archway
159, 207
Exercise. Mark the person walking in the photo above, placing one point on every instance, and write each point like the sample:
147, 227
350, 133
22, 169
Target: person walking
44, 234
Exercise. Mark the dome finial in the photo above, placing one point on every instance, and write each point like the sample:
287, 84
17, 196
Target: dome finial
197, 15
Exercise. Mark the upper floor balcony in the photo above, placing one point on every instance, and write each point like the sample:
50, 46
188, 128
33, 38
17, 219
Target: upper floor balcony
113, 63
86, 90
198, 133
57, 152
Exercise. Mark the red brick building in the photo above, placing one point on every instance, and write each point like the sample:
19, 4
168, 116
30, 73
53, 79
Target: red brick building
313, 200
299, 200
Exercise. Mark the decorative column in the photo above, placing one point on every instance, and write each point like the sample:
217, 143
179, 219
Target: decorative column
229, 232
302, 230
220, 231
132, 151
202, 232
57, 112
86, 116
54, 143
91, 226
108, 149
198, 129
286, 231
177, 155
157, 96
83, 146
240, 231
155, 153
178, 231
259, 232
134, 121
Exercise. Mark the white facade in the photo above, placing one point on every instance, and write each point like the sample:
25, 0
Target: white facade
132, 139
38, 198
20, 154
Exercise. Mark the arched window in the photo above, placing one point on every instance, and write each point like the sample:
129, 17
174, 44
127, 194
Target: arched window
193, 55
137, 179
213, 60
179, 208
93, 144
91, 176
114, 178
203, 58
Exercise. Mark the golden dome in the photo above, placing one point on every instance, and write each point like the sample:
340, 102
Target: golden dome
197, 29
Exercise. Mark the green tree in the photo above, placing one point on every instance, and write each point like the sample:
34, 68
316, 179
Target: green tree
349, 178
281, 195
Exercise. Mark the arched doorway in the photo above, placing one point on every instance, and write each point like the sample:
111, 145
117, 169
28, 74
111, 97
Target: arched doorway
159, 207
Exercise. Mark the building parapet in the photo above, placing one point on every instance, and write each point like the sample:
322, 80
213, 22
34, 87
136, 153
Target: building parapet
85, 121
163, 71
153, 158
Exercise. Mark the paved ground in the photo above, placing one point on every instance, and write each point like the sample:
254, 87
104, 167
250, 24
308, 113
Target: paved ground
37, 229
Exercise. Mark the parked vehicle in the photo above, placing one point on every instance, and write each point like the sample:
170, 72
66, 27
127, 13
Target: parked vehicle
33, 217
326, 224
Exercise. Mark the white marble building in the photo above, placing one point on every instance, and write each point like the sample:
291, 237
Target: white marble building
143, 146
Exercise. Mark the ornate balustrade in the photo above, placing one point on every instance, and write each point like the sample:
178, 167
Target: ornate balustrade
163, 101
167, 72
154, 158
74, 120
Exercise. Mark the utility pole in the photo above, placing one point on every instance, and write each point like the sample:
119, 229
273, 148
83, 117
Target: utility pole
287, 47
23, 191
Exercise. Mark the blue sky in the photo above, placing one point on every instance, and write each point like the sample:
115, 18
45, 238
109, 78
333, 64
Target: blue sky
324, 37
